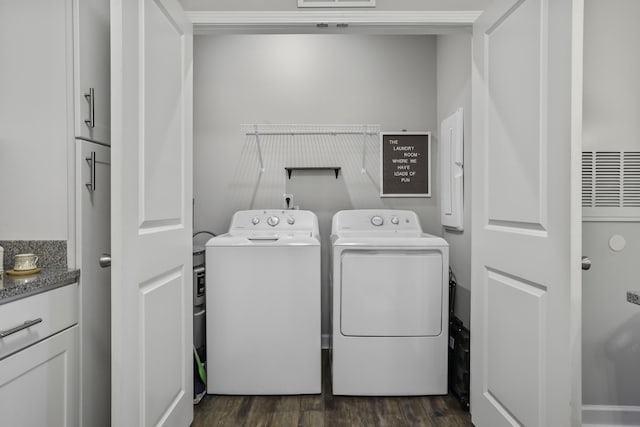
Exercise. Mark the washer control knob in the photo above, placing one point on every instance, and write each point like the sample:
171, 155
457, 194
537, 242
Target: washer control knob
255, 220
291, 220
377, 220
395, 220
273, 220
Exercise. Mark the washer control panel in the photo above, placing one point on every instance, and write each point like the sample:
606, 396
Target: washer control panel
265, 220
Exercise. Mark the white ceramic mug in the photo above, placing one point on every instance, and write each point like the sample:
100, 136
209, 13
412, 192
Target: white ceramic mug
25, 262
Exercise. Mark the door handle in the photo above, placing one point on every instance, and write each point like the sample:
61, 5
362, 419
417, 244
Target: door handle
105, 260
586, 263
90, 97
91, 185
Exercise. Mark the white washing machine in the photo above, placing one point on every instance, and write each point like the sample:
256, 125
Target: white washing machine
390, 305
263, 305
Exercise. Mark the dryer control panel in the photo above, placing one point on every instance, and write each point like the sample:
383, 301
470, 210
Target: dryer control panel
372, 219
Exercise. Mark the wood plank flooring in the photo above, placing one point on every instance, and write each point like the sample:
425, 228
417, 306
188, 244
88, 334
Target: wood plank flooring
328, 410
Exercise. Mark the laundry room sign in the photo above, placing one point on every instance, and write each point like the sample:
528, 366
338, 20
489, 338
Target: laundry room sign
405, 164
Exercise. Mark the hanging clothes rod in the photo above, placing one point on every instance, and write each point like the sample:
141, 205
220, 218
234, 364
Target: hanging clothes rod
309, 129
312, 133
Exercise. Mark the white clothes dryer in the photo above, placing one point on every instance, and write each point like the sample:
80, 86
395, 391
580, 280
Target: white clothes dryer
390, 305
263, 305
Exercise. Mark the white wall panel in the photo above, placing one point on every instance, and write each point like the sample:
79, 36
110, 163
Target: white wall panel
611, 380
35, 119
454, 91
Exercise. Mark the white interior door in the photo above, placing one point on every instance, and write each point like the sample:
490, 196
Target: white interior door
525, 307
151, 112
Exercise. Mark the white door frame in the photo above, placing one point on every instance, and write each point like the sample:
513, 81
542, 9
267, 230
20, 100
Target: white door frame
332, 22
405, 22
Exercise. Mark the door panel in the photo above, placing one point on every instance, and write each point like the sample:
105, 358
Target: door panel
161, 333
515, 127
515, 330
151, 214
525, 309
162, 162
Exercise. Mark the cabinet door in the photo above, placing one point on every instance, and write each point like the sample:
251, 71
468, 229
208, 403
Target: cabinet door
38, 385
92, 70
95, 283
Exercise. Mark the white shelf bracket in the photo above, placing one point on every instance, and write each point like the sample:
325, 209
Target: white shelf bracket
255, 128
364, 148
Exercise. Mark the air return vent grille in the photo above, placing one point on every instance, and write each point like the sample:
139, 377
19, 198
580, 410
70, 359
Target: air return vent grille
631, 179
611, 183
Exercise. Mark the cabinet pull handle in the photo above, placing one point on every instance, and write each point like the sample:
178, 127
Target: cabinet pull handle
91, 185
18, 328
91, 121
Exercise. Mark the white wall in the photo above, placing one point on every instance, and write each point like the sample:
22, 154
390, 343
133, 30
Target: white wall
612, 67
292, 5
33, 121
611, 326
454, 91
317, 79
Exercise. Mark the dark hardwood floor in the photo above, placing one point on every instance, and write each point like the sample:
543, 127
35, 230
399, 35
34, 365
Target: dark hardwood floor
328, 410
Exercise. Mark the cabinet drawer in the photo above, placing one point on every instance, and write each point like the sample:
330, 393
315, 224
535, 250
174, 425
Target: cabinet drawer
57, 309
39, 385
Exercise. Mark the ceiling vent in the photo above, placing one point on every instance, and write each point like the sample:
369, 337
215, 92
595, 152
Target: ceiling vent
611, 185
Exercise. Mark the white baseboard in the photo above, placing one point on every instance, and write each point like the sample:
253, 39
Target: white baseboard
326, 341
610, 416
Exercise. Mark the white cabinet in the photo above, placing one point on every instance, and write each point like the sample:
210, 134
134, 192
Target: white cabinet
52, 52
39, 381
92, 70
92, 58
93, 234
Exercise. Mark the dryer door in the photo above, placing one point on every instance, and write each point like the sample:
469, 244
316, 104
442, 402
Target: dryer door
390, 293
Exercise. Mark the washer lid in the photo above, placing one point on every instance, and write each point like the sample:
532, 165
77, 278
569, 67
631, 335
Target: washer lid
257, 238
388, 239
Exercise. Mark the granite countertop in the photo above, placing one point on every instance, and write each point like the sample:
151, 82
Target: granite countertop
633, 297
16, 287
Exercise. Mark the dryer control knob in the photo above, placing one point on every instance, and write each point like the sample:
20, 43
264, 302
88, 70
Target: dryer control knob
255, 220
273, 220
291, 220
377, 220
395, 220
